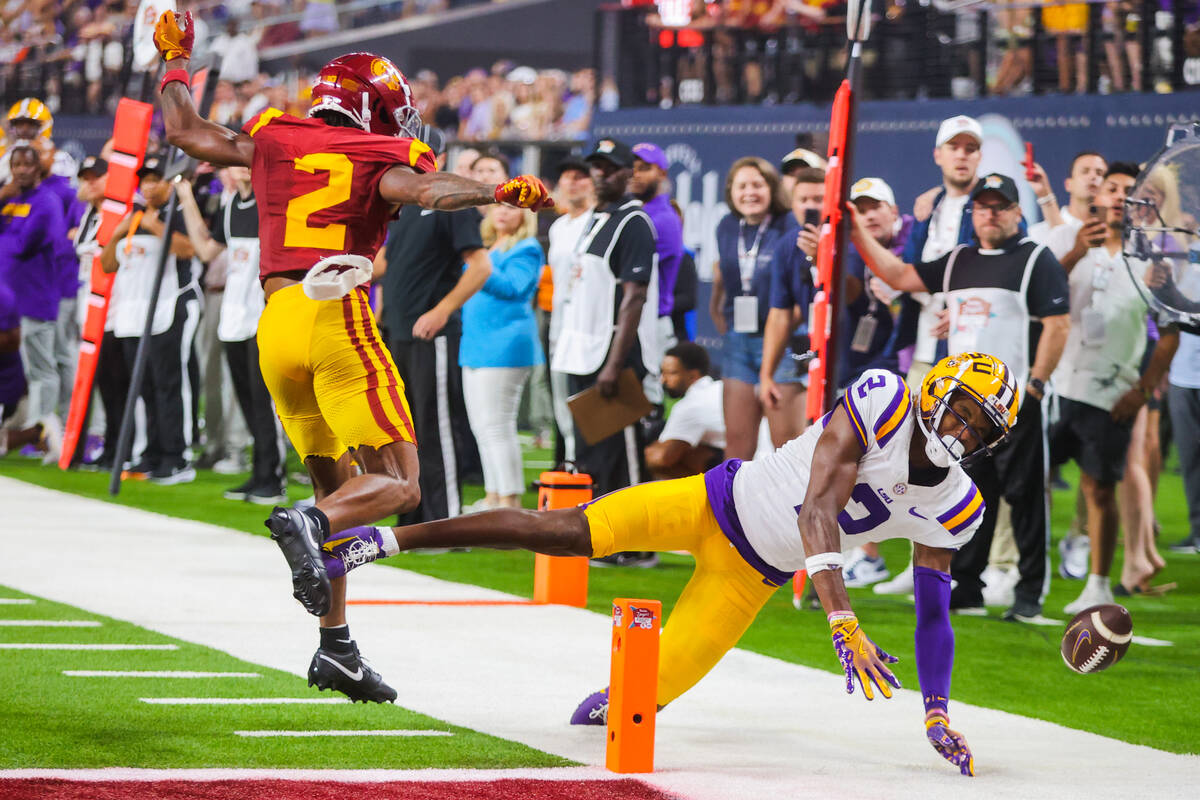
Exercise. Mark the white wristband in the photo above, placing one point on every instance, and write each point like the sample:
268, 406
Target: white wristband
1045, 201
823, 561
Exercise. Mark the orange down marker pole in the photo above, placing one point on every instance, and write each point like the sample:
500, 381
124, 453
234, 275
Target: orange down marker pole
561, 580
633, 685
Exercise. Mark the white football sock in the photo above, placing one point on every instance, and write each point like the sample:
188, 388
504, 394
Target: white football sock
1094, 582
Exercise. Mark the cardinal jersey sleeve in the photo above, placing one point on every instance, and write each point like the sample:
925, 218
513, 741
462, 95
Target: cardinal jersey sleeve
318, 188
877, 403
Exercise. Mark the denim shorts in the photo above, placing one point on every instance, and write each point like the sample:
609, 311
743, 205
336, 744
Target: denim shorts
741, 357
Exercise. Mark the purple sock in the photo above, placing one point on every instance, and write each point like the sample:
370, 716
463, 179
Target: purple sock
351, 548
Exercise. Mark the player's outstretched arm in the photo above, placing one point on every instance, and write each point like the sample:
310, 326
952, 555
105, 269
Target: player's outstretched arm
935, 652
199, 138
445, 191
834, 472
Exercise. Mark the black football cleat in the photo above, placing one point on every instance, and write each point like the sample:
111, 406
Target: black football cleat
349, 674
298, 538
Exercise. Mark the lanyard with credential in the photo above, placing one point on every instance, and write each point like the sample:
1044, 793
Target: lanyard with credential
748, 259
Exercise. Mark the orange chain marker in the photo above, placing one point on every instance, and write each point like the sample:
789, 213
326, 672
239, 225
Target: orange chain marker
633, 685
561, 580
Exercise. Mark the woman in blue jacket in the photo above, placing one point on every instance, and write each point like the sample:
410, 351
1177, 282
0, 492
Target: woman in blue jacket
500, 348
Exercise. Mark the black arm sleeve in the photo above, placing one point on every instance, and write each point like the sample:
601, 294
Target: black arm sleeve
933, 273
1048, 293
633, 255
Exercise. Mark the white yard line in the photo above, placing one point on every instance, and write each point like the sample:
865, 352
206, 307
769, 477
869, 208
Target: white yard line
322, 734
49, 623
244, 701
133, 673
754, 726
72, 646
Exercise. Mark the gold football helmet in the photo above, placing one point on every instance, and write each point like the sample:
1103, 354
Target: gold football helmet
980, 377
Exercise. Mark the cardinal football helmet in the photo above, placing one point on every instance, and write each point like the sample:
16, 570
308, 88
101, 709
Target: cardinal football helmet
982, 378
371, 91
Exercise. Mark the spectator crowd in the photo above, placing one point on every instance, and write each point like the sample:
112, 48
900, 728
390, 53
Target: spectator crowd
76, 54
493, 317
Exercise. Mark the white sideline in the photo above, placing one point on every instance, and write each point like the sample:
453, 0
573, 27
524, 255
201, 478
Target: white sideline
244, 701
316, 734
49, 623
756, 725
153, 673
15, 601
74, 646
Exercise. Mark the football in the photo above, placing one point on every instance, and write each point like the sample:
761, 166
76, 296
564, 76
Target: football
1097, 638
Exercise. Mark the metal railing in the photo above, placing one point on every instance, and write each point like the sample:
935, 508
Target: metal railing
969, 48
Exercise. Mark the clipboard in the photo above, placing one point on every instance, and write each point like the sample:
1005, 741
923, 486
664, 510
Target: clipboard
597, 418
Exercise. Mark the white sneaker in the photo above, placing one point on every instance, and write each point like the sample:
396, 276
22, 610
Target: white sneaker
1092, 595
862, 571
52, 438
1075, 554
232, 465
901, 584
479, 505
998, 586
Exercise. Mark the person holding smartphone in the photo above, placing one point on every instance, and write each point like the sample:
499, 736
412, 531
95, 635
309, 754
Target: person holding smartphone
780, 390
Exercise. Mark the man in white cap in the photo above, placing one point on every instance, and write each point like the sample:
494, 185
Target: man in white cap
943, 220
867, 328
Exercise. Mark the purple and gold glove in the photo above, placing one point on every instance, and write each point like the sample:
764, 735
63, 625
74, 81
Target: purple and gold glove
861, 657
951, 744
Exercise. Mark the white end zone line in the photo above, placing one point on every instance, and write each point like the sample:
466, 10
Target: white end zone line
244, 701
323, 775
49, 623
70, 646
132, 673
312, 734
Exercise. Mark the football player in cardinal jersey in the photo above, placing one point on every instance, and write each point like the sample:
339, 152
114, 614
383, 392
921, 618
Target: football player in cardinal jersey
885, 463
326, 188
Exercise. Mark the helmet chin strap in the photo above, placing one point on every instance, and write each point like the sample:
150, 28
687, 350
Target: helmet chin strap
944, 451
366, 111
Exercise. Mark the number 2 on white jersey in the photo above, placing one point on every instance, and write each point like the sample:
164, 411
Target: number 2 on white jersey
297, 232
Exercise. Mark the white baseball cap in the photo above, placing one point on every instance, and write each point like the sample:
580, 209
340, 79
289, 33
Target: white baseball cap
874, 188
956, 125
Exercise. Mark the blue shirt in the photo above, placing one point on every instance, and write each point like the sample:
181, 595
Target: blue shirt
499, 329
791, 272
668, 241
728, 231
32, 231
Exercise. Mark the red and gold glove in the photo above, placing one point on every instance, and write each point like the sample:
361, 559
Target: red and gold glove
524, 191
174, 35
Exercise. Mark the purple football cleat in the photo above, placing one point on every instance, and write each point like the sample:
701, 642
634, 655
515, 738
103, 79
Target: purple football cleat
593, 710
351, 548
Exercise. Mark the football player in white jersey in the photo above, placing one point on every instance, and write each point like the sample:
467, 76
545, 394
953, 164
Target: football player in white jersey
885, 463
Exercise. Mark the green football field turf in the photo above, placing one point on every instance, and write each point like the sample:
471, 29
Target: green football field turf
1017, 668
82, 721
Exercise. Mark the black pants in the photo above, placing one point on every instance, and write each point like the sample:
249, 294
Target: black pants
1018, 474
258, 410
112, 381
614, 462
433, 386
169, 384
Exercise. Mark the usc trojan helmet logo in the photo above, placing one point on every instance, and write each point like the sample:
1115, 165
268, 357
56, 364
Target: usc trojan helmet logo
386, 72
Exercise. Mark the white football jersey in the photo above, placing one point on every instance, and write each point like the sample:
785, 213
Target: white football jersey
767, 493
